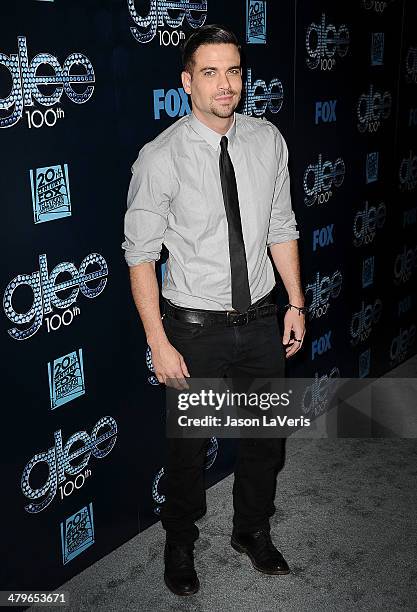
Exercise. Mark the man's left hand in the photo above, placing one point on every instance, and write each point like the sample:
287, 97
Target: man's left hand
293, 322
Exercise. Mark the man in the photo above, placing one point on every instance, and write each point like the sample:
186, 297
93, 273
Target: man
214, 188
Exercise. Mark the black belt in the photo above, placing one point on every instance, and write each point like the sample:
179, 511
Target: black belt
262, 308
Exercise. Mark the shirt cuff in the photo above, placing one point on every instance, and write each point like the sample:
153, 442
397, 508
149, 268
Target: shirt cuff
283, 237
133, 259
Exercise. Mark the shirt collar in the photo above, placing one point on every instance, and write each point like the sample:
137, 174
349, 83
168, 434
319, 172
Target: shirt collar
210, 136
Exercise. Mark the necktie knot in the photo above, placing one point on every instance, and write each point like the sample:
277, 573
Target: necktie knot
223, 143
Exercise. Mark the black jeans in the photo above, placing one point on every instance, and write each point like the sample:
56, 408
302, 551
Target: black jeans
252, 350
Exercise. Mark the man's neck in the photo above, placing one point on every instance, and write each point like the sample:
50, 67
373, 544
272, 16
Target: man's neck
221, 125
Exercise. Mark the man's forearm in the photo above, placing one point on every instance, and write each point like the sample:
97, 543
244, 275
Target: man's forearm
287, 262
145, 291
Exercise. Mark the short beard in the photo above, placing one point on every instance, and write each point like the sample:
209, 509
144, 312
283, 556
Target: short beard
223, 114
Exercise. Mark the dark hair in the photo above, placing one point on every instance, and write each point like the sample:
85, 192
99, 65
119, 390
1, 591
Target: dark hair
206, 35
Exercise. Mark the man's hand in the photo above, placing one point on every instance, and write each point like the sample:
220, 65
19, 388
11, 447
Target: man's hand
293, 322
287, 263
169, 365
167, 361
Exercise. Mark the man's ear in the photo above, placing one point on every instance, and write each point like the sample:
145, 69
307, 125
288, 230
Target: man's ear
186, 81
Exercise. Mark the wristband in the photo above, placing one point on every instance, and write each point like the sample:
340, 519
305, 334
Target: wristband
301, 309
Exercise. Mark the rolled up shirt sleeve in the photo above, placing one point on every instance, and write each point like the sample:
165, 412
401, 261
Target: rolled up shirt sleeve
282, 226
148, 202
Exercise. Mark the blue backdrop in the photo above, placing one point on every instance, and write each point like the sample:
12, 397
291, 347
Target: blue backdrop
83, 85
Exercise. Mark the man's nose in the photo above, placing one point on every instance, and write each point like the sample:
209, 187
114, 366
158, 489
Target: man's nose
224, 82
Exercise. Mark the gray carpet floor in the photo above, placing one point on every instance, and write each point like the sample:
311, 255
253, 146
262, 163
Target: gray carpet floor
345, 522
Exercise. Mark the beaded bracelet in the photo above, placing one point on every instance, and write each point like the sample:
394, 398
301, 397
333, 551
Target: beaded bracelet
301, 309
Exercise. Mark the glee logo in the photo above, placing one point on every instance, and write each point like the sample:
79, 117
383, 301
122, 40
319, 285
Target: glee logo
363, 320
259, 96
402, 343
317, 395
65, 460
323, 42
367, 222
319, 179
378, 6
322, 289
169, 12
404, 265
26, 83
44, 288
372, 109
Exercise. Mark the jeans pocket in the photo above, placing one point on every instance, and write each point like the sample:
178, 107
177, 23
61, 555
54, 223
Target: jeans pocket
181, 329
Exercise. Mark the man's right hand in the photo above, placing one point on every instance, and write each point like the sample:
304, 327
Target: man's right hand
169, 365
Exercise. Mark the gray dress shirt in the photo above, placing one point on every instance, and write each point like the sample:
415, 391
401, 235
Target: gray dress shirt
175, 198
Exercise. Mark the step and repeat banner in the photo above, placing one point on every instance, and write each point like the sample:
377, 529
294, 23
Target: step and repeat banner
83, 86
354, 184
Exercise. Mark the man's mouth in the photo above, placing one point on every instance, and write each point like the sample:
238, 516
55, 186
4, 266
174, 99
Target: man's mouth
225, 98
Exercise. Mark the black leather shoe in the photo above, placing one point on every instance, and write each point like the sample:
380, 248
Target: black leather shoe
180, 575
261, 551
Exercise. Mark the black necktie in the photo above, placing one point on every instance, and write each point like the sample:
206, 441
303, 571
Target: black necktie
241, 299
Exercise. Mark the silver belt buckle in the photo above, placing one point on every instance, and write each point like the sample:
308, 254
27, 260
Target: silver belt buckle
237, 320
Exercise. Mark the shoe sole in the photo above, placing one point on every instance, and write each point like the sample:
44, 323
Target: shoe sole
241, 549
181, 594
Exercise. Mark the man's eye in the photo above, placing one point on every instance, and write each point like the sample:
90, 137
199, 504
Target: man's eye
209, 72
